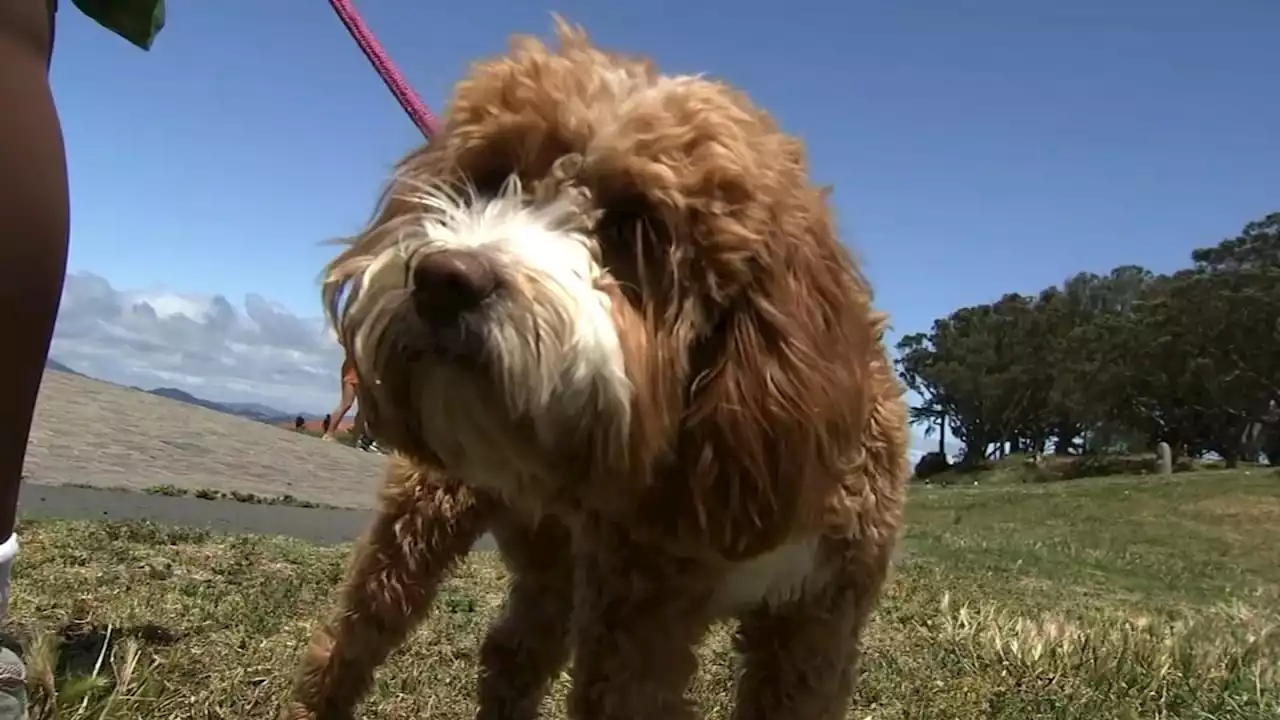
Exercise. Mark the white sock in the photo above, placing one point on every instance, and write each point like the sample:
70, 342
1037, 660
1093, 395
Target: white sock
8, 551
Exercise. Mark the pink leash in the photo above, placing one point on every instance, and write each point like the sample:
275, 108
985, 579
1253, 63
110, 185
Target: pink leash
409, 100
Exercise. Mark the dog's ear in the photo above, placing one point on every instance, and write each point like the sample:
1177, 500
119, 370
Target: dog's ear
777, 404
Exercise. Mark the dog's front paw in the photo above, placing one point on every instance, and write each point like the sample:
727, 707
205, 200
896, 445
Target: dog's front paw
294, 711
297, 711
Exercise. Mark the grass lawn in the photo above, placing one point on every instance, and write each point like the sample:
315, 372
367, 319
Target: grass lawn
1114, 598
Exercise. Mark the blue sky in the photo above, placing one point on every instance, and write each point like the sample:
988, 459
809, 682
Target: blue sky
975, 147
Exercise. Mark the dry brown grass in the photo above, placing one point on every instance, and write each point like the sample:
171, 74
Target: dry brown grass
1099, 599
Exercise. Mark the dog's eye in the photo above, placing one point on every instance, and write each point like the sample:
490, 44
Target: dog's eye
623, 230
634, 244
489, 183
624, 217
489, 173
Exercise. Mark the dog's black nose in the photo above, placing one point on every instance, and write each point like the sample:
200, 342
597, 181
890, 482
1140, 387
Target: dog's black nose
449, 282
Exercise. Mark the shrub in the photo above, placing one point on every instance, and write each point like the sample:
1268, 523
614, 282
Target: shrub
932, 463
1092, 465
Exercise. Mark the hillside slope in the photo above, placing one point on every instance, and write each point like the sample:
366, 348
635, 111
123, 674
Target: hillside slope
91, 432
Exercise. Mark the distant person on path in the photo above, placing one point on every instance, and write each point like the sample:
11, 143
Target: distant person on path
325, 424
299, 423
345, 400
350, 381
33, 244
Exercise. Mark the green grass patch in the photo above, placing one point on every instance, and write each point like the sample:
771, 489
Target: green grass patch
1113, 598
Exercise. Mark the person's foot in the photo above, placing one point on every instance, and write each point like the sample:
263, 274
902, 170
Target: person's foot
326, 436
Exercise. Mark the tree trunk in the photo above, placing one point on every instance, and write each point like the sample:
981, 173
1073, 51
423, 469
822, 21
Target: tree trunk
974, 454
1232, 458
1251, 441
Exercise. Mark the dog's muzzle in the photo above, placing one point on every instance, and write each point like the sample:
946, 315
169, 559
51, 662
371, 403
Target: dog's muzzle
450, 289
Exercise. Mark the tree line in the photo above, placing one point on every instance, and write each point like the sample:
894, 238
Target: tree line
1114, 363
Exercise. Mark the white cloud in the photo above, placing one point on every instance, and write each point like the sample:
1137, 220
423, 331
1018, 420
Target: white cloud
255, 352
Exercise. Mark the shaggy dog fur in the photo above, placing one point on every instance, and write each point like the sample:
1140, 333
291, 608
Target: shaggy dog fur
606, 317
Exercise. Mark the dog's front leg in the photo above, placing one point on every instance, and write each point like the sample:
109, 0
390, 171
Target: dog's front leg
423, 527
527, 646
639, 613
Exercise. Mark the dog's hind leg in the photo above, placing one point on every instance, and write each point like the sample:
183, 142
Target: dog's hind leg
423, 527
799, 660
529, 643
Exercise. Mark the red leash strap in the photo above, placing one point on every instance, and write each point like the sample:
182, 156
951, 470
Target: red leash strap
409, 100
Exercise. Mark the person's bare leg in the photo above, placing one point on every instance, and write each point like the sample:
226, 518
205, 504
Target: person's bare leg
357, 422
345, 401
33, 229
425, 524
529, 643
33, 257
364, 439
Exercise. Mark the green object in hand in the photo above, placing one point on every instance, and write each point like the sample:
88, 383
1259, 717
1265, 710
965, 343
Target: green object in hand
138, 21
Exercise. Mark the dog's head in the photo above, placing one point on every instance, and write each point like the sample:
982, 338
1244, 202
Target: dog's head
596, 267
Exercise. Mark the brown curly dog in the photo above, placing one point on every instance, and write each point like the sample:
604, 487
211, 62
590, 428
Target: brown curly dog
605, 316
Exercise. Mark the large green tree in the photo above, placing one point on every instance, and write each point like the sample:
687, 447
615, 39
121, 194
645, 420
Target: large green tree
1116, 361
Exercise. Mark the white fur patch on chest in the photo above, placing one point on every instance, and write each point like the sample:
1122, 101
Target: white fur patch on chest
774, 578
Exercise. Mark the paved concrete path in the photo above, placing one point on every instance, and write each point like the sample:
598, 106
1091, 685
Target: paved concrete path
318, 525
65, 502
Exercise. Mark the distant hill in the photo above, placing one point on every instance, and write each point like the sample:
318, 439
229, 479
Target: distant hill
253, 411
52, 364
186, 397
249, 409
